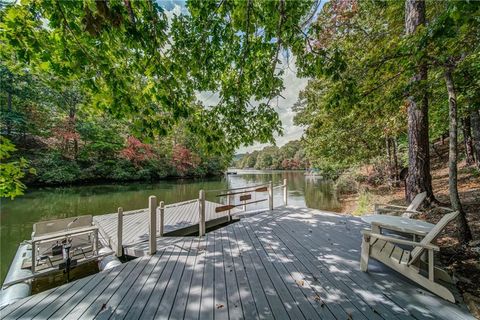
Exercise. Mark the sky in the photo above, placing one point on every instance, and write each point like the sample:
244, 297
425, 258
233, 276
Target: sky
292, 84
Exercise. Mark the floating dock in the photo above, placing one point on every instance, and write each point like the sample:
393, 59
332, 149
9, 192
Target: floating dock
288, 263
180, 218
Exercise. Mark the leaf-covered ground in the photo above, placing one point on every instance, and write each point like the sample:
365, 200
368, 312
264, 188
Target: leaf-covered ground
461, 260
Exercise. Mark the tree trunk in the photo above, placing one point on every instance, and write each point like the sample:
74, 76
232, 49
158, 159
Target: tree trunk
418, 179
467, 140
395, 161
389, 158
464, 230
475, 122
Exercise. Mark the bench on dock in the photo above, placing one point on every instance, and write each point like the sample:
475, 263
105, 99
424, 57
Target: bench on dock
48, 238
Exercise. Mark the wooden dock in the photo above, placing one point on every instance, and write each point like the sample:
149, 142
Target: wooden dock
180, 218
289, 263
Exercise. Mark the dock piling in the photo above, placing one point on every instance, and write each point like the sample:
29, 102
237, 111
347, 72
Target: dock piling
152, 208
285, 192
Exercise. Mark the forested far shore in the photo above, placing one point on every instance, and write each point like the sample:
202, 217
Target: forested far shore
52, 135
290, 156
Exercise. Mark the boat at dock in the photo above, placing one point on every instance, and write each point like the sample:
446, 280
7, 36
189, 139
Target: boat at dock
56, 246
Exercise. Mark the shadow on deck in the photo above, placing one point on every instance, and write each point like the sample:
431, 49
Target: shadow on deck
290, 263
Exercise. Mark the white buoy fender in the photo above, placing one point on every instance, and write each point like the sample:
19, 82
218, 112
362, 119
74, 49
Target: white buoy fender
20, 290
108, 262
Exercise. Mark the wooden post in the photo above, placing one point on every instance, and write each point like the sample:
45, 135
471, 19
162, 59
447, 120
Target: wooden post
152, 237
244, 202
119, 248
270, 195
228, 203
285, 192
161, 208
201, 213
95, 243
34, 256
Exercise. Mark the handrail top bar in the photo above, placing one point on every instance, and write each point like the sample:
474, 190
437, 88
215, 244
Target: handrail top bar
241, 188
178, 204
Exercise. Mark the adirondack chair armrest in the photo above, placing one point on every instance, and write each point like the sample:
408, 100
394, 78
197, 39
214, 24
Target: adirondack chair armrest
369, 233
389, 206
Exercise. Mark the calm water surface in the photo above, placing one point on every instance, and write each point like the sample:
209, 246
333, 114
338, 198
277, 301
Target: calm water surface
18, 216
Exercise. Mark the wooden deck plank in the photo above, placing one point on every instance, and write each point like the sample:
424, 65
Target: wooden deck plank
111, 298
15, 312
207, 303
6, 310
180, 309
57, 302
354, 277
286, 286
126, 301
257, 292
72, 302
136, 308
173, 304
233, 297
220, 296
192, 309
274, 247
107, 284
339, 278
245, 291
280, 309
173, 268
287, 263
353, 304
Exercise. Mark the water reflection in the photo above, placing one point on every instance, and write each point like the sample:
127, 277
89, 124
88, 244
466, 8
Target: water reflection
17, 216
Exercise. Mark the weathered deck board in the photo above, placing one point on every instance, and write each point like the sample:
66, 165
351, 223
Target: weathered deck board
286, 264
135, 224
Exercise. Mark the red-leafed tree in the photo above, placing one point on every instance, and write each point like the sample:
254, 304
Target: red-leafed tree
183, 159
67, 135
137, 151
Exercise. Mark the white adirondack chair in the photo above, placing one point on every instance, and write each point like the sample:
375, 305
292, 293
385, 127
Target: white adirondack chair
409, 263
406, 212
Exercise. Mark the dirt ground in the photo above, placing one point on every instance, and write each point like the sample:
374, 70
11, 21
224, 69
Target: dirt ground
463, 261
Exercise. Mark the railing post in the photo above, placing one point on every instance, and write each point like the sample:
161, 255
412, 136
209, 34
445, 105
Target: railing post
201, 213
244, 202
152, 209
228, 203
34, 256
270, 195
119, 248
285, 192
161, 208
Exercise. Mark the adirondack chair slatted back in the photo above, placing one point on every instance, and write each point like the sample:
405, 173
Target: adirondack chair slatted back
432, 235
417, 201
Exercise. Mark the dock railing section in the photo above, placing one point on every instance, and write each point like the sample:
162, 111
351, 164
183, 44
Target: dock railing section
244, 199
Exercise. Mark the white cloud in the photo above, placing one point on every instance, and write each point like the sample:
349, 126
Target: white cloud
293, 85
289, 95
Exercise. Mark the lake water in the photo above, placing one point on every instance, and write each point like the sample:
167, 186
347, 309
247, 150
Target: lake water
17, 216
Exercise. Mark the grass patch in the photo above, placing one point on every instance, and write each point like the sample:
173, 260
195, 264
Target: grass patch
364, 204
